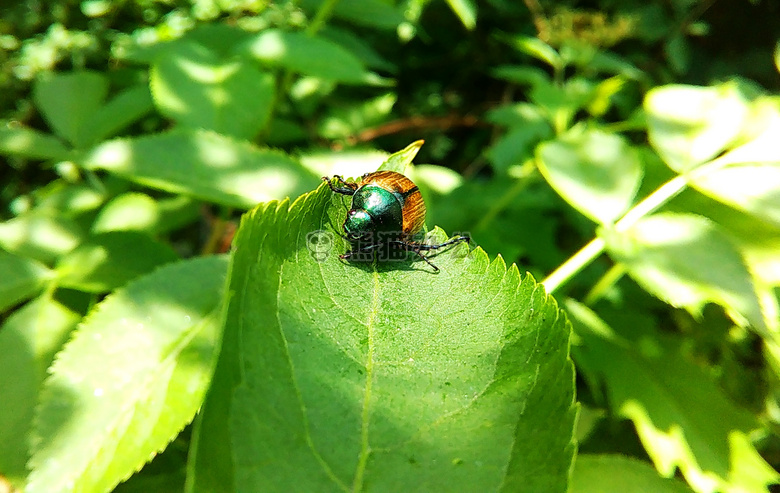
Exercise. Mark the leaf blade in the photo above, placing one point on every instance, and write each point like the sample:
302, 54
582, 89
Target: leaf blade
377, 377
94, 428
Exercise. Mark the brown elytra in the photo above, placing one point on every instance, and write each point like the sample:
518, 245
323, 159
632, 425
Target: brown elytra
413, 207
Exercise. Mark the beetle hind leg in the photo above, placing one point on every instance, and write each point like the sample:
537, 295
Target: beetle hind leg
452, 241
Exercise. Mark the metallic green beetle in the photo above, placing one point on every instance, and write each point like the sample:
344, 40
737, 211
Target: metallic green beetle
387, 212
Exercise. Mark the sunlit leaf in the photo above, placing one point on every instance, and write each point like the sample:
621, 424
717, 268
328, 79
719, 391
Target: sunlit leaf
205, 165
40, 235
596, 172
20, 278
108, 260
26, 142
28, 340
386, 377
466, 10
687, 261
748, 176
619, 474
200, 89
131, 378
68, 100
681, 416
688, 125
309, 55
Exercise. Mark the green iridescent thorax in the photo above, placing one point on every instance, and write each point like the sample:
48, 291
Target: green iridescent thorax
374, 210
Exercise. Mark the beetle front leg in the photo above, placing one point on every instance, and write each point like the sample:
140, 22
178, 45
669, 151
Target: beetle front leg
343, 187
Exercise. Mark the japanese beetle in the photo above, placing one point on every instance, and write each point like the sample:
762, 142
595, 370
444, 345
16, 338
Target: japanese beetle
386, 214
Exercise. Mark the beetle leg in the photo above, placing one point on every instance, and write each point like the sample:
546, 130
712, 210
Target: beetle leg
457, 239
343, 187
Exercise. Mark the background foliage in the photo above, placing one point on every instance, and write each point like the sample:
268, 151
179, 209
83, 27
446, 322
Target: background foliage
622, 152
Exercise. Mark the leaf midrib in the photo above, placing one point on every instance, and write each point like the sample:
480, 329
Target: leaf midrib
365, 447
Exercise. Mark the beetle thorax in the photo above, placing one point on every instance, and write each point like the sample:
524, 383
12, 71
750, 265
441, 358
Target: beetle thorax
374, 210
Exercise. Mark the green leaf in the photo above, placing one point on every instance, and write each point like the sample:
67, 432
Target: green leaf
200, 89
205, 165
688, 125
40, 235
349, 120
125, 108
26, 142
466, 11
385, 377
349, 162
308, 55
521, 74
20, 278
109, 260
401, 160
517, 145
681, 416
748, 177
596, 172
378, 14
68, 100
131, 378
619, 474
536, 48
687, 261
128, 212
28, 340
777, 56
60, 197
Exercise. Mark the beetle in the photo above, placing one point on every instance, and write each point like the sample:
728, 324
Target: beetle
387, 212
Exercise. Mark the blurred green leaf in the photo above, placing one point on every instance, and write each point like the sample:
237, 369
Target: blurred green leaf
59, 197
108, 260
353, 162
688, 125
359, 47
748, 177
681, 416
40, 235
68, 100
26, 142
522, 74
536, 48
205, 165
517, 145
466, 10
685, 260
123, 109
132, 376
598, 173
200, 89
309, 55
29, 337
370, 13
20, 278
456, 380
346, 121
128, 212
619, 474
400, 161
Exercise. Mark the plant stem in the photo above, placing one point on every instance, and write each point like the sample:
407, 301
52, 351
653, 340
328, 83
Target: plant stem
521, 183
612, 276
589, 252
321, 17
